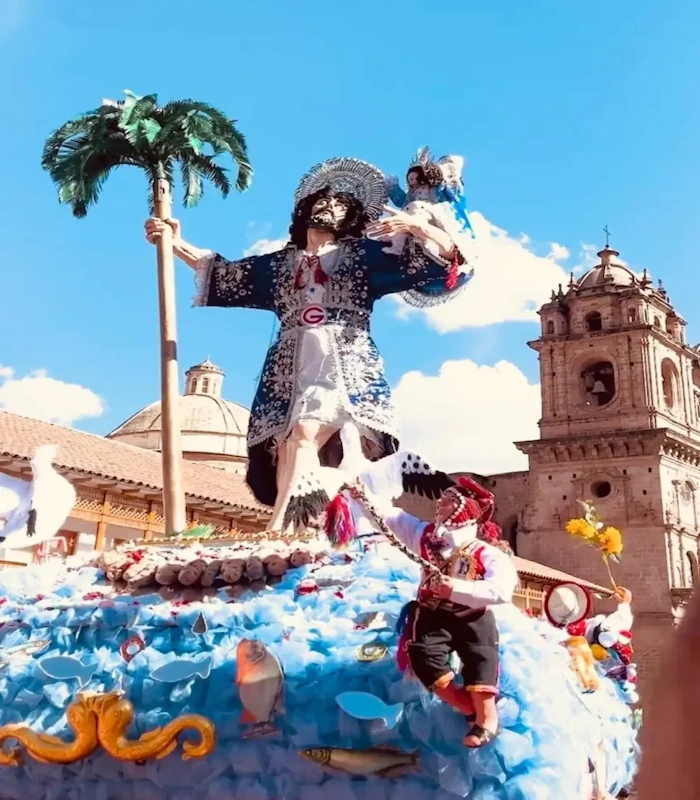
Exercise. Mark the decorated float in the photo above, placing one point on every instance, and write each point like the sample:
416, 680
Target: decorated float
266, 668
281, 666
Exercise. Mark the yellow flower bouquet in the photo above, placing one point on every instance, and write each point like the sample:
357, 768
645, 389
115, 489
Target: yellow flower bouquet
594, 532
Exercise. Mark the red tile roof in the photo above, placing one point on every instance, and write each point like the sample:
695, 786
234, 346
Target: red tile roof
94, 455
533, 569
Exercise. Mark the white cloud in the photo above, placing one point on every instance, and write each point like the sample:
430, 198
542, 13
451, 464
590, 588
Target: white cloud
467, 417
511, 281
264, 246
557, 252
41, 397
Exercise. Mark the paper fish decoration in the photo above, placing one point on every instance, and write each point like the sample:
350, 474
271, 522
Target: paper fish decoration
200, 626
372, 619
182, 669
131, 647
379, 761
362, 705
65, 668
371, 651
21, 651
334, 583
260, 686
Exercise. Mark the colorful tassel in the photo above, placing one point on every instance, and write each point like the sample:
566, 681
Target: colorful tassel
339, 526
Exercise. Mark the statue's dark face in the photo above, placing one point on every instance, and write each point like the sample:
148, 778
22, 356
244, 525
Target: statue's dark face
339, 213
328, 213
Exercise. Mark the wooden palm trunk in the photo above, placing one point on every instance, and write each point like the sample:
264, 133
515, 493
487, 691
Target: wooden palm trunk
173, 487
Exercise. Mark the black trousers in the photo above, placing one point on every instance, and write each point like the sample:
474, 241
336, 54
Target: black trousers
472, 635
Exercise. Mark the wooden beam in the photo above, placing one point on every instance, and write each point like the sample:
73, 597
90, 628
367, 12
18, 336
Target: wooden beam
82, 480
86, 516
150, 523
102, 525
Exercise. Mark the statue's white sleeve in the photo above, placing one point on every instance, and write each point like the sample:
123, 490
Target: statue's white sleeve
201, 271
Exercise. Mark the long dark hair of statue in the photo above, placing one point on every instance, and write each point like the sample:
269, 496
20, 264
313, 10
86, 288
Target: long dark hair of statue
353, 225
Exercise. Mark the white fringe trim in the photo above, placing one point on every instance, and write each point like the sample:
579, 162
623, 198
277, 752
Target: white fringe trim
202, 277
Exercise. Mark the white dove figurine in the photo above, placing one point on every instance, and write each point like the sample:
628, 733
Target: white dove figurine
34, 511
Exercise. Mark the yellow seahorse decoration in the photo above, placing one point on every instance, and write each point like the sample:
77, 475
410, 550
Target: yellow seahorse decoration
115, 714
82, 720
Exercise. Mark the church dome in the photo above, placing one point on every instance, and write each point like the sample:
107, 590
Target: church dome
608, 273
213, 429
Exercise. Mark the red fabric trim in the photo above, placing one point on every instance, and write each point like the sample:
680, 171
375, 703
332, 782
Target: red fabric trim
479, 564
314, 262
624, 651
576, 628
452, 270
427, 531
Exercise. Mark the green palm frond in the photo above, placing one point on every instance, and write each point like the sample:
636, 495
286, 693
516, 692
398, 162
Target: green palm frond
80, 155
197, 532
192, 181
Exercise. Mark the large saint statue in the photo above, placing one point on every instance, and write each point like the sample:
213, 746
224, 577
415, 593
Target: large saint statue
323, 397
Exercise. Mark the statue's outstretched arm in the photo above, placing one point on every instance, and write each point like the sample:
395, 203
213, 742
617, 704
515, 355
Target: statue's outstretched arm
245, 283
435, 239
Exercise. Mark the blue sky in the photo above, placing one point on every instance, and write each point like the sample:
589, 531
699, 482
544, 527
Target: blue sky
571, 115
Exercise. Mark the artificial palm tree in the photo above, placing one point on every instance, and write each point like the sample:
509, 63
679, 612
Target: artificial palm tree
137, 132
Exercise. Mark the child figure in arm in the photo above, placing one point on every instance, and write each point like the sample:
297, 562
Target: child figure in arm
474, 573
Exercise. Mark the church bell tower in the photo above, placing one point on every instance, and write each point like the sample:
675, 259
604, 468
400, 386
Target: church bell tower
620, 426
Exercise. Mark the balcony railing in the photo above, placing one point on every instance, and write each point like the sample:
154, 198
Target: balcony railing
11, 564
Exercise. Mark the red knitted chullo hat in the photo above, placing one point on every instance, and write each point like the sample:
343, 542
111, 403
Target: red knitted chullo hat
476, 503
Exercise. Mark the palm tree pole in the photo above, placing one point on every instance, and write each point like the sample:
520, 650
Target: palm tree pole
174, 508
80, 155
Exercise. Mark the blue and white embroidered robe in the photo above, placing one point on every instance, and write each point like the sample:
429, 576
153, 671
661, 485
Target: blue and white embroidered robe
362, 274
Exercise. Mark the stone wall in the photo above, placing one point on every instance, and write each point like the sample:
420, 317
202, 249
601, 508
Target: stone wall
512, 494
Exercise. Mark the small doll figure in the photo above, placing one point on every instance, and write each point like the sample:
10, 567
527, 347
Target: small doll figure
609, 636
434, 191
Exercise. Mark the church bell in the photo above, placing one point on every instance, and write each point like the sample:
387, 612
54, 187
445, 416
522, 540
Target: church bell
598, 388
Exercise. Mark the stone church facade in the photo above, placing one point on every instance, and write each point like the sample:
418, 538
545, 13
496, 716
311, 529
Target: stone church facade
620, 426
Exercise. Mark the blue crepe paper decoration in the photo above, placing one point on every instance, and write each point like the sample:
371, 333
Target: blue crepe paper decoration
547, 729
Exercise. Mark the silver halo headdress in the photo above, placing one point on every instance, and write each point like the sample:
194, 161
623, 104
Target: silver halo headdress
358, 178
